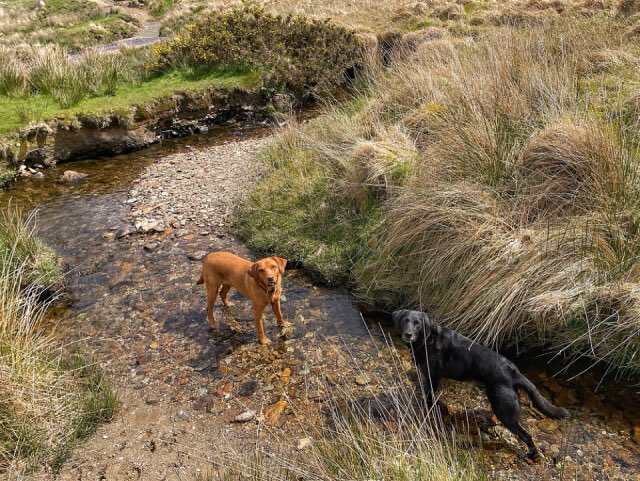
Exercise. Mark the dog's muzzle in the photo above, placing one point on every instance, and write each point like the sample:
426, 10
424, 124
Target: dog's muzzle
409, 338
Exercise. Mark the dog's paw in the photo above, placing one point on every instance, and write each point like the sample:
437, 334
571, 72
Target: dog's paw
286, 329
532, 457
265, 341
228, 304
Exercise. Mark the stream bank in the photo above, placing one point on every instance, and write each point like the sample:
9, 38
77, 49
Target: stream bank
133, 305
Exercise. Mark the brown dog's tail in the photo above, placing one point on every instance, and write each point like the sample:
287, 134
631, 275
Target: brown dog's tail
539, 401
200, 281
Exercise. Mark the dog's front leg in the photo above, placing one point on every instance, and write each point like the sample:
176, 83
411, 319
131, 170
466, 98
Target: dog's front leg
284, 325
258, 308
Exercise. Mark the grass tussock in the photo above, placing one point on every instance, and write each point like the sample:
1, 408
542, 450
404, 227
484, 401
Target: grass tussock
48, 398
492, 182
50, 71
23, 251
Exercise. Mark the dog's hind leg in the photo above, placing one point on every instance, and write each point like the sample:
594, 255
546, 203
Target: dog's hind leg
223, 295
504, 401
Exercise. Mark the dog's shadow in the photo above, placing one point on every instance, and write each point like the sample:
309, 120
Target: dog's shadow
408, 412
236, 328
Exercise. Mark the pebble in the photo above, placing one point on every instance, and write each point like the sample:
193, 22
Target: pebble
125, 231
197, 256
303, 443
182, 416
199, 185
151, 246
245, 417
73, 176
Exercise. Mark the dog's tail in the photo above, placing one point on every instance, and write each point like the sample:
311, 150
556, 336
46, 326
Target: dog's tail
554, 412
200, 281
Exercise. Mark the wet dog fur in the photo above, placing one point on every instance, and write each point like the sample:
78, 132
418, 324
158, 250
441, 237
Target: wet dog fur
442, 353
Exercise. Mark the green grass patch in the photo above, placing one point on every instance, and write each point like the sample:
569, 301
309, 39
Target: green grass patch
21, 111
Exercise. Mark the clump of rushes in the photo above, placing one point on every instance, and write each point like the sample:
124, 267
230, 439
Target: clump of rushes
48, 398
38, 264
492, 182
294, 53
50, 70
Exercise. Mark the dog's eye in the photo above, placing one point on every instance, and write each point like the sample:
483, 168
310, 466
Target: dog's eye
260, 270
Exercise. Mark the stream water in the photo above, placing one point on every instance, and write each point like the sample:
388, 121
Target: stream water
139, 314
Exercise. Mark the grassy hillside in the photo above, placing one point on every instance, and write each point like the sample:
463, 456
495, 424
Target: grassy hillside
491, 181
74, 24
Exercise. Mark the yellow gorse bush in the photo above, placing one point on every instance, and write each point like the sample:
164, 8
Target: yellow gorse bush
293, 52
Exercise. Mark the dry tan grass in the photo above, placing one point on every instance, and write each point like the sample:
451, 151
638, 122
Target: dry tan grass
48, 398
518, 218
404, 15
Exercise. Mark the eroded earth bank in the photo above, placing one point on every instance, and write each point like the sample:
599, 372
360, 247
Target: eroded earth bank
134, 307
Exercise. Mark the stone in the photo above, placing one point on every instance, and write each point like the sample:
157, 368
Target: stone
197, 256
245, 417
285, 376
272, 413
303, 443
125, 231
148, 226
38, 175
548, 426
151, 246
182, 416
247, 388
73, 176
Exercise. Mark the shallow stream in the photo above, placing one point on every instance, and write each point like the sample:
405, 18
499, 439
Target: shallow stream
140, 315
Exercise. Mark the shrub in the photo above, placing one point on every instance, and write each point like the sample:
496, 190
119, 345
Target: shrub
300, 55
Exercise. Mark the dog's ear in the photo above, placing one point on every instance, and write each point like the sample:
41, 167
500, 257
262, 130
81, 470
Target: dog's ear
253, 271
396, 316
282, 263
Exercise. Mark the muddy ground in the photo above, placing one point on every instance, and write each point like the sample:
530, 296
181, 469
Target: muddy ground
134, 307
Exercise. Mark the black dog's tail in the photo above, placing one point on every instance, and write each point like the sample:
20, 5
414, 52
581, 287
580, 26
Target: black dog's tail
554, 412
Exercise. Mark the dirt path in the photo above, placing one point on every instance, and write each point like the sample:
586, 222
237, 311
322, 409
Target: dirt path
147, 33
138, 312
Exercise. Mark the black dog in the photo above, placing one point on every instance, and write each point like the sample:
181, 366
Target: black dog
443, 353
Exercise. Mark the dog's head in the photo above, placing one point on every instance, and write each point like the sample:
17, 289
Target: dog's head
412, 324
267, 271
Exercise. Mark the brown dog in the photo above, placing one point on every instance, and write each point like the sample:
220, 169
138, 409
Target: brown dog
258, 282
